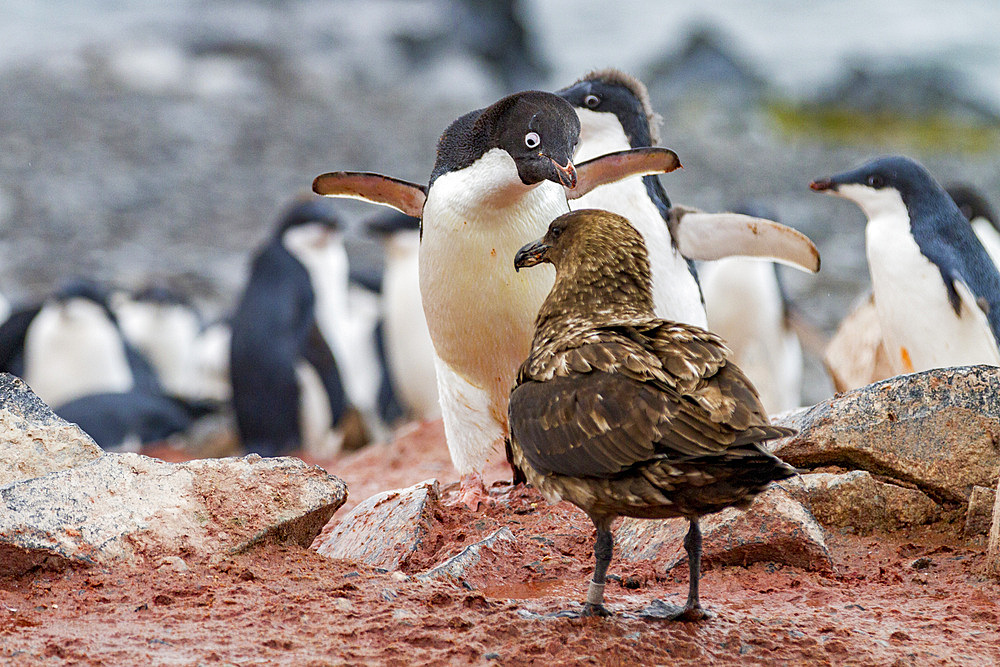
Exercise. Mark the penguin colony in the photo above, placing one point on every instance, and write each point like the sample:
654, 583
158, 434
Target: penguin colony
602, 379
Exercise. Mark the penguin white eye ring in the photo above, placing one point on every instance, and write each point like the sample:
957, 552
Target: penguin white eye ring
592, 101
532, 140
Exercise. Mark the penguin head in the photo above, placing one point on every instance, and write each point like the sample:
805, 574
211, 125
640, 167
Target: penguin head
82, 298
613, 108
882, 185
538, 130
310, 225
971, 203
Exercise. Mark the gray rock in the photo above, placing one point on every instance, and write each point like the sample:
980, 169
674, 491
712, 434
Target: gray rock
858, 500
979, 515
470, 565
132, 509
993, 547
937, 429
33, 440
386, 529
775, 528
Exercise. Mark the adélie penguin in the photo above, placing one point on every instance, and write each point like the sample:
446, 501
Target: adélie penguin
616, 114
73, 347
286, 384
980, 215
409, 350
625, 414
937, 293
748, 307
501, 175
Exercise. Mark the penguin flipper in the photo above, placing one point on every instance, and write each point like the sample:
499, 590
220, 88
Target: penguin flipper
710, 236
318, 354
614, 167
401, 195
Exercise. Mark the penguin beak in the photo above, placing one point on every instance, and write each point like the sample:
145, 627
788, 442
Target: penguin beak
566, 173
532, 254
823, 185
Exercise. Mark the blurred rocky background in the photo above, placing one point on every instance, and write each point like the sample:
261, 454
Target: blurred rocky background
160, 142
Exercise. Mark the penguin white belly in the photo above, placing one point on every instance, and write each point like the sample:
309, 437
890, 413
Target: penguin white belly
920, 327
323, 254
743, 304
319, 438
989, 237
480, 313
166, 335
409, 351
211, 354
4, 308
73, 350
676, 295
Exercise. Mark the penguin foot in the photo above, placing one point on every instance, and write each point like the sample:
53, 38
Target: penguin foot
660, 610
472, 493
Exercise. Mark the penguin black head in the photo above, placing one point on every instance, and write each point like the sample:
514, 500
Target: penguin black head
308, 210
538, 130
971, 203
880, 184
391, 222
611, 91
884, 174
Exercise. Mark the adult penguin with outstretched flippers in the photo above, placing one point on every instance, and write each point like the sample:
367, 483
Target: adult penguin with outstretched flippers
616, 114
287, 389
501, 175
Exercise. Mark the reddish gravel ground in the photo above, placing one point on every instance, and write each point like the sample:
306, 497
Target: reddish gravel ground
288, 605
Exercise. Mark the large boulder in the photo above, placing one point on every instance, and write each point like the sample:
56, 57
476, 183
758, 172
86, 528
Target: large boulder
857, 500
386, 529
937, 430
132, 509
775, 528
33, 440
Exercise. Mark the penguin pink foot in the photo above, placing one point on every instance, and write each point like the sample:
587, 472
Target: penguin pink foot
472, 492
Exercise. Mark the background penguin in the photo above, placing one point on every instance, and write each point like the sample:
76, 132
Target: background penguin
408, 346
979, 213
937, 293
287, 389
164, 326
616, 114
72, 347
747, 306
127, 421
500, 176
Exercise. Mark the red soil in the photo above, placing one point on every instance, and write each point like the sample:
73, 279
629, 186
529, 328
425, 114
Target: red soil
908, 598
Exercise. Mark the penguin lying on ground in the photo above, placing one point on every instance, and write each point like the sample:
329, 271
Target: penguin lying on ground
937, 293
616, 114
625, 414
287, 389
501, 175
